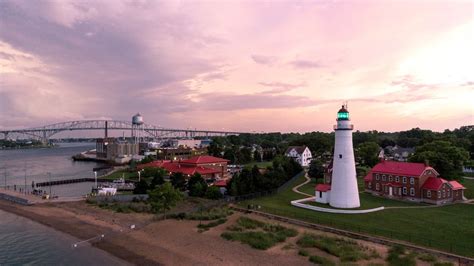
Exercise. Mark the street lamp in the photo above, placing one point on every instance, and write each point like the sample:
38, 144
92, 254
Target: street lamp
95, 176
139, 174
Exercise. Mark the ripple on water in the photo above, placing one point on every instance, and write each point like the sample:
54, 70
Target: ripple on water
24, 242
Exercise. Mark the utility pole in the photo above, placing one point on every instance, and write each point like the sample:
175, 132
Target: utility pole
25, 178
49, 175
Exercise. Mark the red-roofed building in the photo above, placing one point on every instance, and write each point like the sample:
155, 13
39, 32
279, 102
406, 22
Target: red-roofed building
411, 181
208, 166
322, 193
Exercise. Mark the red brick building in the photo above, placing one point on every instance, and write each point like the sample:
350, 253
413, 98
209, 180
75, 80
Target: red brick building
208, 166
411, 181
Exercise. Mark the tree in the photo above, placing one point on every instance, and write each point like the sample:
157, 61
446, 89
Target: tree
178, 181
213, 193
244, 155
158, 176
197, 185
316, 169
442, 156
141, 187
163, 198
368, 152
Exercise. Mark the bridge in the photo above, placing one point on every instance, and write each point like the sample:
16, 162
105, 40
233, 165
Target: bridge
44, 133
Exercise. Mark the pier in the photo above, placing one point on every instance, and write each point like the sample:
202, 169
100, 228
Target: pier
120, 186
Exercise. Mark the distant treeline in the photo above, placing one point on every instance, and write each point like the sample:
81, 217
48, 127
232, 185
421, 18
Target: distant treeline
447, 151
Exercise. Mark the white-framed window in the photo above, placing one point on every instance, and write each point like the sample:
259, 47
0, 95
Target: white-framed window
377, 186
384, 178
449, 193
377, 177
397, 179
428, 194
444, 193
412, 180
439, 194
390, 178
399, 191
404, 190
370, 185
404, 179
412, 191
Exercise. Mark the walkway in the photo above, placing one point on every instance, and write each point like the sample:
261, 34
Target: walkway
295, 189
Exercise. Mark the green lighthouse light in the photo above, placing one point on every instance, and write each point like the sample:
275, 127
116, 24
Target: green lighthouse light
343, 116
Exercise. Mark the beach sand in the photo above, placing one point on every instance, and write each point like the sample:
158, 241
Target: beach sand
166, 242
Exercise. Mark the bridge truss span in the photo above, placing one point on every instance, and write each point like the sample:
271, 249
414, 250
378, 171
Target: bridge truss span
44, 133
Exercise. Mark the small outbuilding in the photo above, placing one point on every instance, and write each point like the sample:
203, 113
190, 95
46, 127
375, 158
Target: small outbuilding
322, 193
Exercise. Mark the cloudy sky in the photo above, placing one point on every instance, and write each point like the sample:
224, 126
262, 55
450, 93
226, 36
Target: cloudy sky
249, 66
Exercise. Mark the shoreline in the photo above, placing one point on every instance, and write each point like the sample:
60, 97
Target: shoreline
84, 231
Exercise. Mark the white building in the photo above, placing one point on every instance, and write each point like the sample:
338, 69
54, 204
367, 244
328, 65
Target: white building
323, 193
344, 191
300, 154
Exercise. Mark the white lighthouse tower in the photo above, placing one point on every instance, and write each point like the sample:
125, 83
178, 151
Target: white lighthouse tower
344, 191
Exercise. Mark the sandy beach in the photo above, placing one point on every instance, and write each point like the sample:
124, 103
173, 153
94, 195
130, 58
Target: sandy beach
167, 242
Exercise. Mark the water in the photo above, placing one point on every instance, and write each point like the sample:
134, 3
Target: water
35, 164
24, 242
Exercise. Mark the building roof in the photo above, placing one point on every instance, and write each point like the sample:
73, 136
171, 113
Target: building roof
456, 185
323, 187
204, 159
399, 168
221, 183
298, 149
175, 167
189, 170
434, 183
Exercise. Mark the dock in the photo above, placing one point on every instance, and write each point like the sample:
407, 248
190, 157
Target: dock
120, 186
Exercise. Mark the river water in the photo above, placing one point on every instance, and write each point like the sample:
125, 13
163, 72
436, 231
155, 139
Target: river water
24, 242
24, 166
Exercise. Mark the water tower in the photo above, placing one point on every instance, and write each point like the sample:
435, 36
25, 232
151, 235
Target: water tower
137, 128
344, 191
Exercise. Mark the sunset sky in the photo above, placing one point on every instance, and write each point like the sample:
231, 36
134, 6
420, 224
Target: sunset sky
240, 65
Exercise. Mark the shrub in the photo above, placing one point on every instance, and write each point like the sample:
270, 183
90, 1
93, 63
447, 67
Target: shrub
213, 193
346, 250
427, 257
303, 253
397, 257
248, 223
207, 226
258, 240
321, 261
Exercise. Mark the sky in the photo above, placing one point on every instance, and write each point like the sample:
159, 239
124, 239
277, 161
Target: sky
251, 66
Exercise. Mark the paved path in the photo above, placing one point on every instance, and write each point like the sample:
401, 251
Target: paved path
295, 189
468, 177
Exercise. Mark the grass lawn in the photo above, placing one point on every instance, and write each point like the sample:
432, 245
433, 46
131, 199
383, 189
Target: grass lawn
469, 184
125, 173
259, 164
449, 228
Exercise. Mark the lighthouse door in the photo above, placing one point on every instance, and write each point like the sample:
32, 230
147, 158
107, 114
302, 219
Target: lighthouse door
390, 192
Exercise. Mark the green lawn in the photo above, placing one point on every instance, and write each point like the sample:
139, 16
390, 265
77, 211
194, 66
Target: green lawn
125, 173
259, 164
469, 184
449, 228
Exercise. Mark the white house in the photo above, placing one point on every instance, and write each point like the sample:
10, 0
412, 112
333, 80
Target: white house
322, 193
301, 154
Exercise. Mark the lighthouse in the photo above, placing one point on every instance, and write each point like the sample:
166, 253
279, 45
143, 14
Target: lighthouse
344, 191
